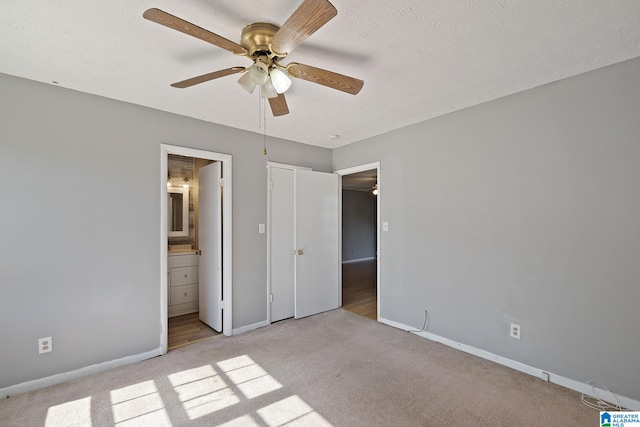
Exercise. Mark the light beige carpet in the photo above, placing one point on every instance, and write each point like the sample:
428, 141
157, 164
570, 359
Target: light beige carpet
335, 368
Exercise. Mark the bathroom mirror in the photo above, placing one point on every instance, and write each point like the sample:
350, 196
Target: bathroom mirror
178, 211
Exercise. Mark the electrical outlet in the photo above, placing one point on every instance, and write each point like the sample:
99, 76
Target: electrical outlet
45, 345
515, 331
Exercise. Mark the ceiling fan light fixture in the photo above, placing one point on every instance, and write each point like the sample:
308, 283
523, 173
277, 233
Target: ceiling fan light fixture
268, 91
281, 82
246, 82
258, 73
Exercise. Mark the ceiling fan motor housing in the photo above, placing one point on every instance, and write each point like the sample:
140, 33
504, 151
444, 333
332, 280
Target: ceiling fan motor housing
256, 38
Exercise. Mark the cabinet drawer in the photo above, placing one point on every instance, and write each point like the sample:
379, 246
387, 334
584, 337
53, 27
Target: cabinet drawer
184, 276
182, 260
182, 294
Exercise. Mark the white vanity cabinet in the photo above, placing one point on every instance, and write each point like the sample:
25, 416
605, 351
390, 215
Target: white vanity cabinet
183, 283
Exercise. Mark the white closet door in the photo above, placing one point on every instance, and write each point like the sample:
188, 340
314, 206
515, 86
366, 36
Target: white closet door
317, 261
282, 244
210, 239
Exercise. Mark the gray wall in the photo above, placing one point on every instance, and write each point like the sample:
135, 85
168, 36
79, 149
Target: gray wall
80, 252
358, 225
525, 209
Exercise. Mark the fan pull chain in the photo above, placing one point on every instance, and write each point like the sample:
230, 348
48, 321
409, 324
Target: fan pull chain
264, 128
260, 107
262, 120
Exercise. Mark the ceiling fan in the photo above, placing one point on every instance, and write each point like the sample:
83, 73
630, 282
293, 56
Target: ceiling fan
266, 45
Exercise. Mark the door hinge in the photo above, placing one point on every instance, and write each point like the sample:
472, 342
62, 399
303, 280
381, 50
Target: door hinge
221, 182
271, 298
221, 305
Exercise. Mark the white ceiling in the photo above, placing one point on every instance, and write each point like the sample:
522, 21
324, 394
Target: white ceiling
419, 59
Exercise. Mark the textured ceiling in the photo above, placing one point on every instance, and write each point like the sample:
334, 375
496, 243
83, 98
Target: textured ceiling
419, 59
360, 181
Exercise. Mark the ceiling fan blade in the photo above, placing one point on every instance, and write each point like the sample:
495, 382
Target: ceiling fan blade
326, 78
306, 20
279, 106
206, 77
168, 20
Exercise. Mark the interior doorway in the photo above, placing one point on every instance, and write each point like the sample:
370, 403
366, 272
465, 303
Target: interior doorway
195, 245
360, 240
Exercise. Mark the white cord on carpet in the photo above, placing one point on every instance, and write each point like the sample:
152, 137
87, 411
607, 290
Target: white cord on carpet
597, 403
426, 319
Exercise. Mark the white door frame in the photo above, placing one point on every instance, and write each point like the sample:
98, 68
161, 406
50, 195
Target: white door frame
349, 171
227, 283
271, 165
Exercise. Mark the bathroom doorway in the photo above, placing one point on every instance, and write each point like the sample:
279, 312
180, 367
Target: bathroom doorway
196, 286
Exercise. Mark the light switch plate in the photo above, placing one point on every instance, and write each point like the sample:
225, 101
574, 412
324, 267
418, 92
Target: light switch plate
261, 228
385, 226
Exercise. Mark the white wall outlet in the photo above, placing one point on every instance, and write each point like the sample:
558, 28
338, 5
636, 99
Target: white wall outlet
515, 331
261, 228
45, 345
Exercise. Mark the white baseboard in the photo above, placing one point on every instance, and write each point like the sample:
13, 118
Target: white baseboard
248, 328
578, 386
358, 260
75, 374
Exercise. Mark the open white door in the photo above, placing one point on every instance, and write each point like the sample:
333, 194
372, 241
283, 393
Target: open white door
317, 213
210, 238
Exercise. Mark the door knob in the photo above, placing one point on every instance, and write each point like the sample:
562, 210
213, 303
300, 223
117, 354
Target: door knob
300, 252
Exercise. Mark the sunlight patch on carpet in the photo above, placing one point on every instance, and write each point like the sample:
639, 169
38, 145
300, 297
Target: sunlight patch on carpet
202, 391
249, 377
244, 421
76, 412
210, 403
235, 363
291, 411
139, 405
196, 383
190, 375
